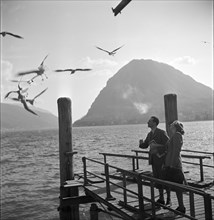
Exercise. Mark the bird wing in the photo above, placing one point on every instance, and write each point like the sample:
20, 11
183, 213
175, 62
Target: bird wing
40, 93
9, 93
14, 99
59, 70
14, 35
26, 106
83, 69
117, 49
43, 60
102, 49
27, 72
63, 70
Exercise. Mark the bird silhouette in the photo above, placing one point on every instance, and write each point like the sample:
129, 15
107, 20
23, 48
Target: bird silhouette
8, 33
20, 91
31, 101
205, 42
111, 53
72, 70
21, 97
39, 72
120, 7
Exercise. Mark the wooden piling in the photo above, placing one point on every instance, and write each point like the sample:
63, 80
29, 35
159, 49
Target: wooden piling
171, 112
66, 159
93, 212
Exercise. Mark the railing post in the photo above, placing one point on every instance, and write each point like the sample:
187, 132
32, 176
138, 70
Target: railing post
133, 164
208, 207
108, 193
192, 204
104, 158
152, 198
124, 190
137, 160
66, 159
84, 171
140, 197
201, 169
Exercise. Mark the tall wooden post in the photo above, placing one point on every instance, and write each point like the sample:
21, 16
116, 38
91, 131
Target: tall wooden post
66, 159
171, 112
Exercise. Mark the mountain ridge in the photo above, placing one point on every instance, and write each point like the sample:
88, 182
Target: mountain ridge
15, 117
136, 91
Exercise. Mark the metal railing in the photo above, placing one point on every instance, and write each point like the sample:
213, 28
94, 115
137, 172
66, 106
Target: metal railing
207, 198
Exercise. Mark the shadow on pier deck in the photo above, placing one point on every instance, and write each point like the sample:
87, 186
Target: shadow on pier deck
133, 197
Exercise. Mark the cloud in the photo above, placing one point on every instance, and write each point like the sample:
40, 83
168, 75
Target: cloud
128, 92
185, 60
94, 63
142, 107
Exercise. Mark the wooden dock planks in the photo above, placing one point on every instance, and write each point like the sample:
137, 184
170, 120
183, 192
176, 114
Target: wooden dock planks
99, 191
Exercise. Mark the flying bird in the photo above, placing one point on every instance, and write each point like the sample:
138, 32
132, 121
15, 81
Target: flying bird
8, 33
72, 70
21, 98
39, 72
111, 53
20, 91
120, 7
31, 101
205, 42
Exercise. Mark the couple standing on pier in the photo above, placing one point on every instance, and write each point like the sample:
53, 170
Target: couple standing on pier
165, 158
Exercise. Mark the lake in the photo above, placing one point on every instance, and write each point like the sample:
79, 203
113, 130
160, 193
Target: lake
30, 162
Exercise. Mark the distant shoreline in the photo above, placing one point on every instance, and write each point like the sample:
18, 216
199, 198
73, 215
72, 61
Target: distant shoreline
45, 129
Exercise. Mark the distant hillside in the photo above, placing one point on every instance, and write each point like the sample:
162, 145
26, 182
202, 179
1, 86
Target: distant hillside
136, 92
15, 117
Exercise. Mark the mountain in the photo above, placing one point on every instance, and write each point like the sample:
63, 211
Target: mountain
15, 117
137, 91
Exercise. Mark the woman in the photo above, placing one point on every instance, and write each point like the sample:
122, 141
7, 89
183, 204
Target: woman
173, 163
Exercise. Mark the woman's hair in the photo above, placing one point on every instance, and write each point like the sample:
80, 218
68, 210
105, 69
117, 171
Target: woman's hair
179, 127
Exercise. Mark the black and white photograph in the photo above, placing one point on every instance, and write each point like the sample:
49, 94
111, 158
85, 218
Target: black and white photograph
107, 110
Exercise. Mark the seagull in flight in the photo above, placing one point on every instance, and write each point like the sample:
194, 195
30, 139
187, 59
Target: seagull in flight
21, 98
31, 101
111, 53
205, 42
39, 72
8, 33
20, 91
72, 70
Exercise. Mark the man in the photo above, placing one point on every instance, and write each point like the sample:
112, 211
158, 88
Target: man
157, 140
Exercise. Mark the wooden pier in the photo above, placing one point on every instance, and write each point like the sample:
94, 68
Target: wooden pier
136, 199
127, 194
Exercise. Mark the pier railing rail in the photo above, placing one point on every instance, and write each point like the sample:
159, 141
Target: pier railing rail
140, 179
189, 156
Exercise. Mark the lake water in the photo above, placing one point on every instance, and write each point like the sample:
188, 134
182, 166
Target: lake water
30, 163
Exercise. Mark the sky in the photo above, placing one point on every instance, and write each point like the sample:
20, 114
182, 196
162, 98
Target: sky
68, 31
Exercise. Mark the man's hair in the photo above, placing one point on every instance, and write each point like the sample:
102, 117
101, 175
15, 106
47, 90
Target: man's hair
155, 119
